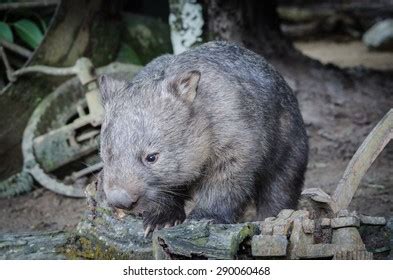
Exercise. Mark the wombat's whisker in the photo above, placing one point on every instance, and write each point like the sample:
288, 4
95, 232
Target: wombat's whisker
92, 173
86, 164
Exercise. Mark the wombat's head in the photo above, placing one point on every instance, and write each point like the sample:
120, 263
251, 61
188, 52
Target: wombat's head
153, 142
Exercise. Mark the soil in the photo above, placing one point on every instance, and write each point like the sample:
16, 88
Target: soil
40, 210
346, 54
339, 106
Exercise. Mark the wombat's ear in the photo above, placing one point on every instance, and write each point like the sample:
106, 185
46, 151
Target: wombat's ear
185, 85
109, 87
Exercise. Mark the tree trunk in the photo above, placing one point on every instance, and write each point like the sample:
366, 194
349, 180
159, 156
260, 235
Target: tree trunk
254, 24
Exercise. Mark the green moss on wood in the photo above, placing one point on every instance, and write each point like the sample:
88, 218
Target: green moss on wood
81, 247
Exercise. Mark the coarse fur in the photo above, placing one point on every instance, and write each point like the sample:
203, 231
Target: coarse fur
226, 129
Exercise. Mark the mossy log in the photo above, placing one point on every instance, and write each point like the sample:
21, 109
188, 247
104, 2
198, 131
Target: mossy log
33, 246
204, 240
105, 233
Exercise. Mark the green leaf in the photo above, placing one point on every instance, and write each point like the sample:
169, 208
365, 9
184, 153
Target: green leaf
128, 55
6, 32
28, 32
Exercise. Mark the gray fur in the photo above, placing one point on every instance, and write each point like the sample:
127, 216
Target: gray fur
227, 129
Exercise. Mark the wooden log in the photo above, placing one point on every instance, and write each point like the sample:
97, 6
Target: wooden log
107, 234
32, 246
372, 146
201, 240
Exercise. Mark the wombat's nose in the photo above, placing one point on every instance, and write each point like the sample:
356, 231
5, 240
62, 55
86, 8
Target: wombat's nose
121, 199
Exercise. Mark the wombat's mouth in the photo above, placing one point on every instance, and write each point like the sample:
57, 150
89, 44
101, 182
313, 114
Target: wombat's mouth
136, 208
121, 213
134, 211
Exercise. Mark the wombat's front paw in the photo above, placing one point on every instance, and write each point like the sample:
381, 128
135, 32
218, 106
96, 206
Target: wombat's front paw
155, 221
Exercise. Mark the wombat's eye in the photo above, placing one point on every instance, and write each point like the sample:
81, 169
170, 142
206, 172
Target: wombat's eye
151, 158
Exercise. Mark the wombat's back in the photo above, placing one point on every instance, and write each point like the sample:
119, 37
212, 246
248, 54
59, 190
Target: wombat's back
228, 71
240, 86
257, 128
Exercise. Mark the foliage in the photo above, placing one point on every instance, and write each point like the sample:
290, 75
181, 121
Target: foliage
6, 32
29, 32
128, 55
24, 30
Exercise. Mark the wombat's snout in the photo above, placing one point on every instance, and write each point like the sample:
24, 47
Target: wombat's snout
119, 198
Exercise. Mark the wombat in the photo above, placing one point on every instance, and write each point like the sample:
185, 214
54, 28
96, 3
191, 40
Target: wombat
215, 124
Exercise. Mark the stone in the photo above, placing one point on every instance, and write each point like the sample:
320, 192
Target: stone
353, 255
266, 228
380, 35
308, 226
325, 222
322, 235
316, 251
299, 240
285, 213
317, 195
300, 214
343, 213
269, 245
348, 236
370, 220
345, 222
270, 219
282, 227
334, 251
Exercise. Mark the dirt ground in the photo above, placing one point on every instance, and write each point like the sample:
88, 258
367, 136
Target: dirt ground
346, 54
340, 107
40, 210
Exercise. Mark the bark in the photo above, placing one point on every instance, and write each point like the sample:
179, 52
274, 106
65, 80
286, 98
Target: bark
255, 24
32, 246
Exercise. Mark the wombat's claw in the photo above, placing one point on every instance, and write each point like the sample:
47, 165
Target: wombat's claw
149, 229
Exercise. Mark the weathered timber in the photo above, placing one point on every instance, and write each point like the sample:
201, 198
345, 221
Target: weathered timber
372, 146
107, 234
32, 246
201, 240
